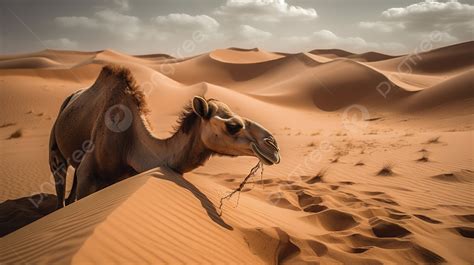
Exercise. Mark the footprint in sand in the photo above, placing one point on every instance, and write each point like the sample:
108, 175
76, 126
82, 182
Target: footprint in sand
273, 245
292, 187
332, 220
383, 228
427, 219
465, 231
387, 201
419, 254
373, 193
279, 199
305, 199
315, 208
466, 218
319, 248
397, 216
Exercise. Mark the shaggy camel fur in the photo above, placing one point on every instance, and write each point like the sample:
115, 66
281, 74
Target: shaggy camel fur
103, 133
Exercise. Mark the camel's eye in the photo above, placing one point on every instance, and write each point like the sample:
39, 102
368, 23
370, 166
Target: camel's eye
233, 128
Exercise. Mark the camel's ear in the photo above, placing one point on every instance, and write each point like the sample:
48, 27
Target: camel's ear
200, 107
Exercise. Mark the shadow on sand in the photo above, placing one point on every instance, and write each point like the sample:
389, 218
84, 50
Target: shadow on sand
205, 202
17, 213
14, 214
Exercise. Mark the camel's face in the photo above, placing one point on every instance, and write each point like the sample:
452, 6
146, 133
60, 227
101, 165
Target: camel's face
226, 133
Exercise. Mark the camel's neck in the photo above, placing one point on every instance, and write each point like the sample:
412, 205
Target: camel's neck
182, 152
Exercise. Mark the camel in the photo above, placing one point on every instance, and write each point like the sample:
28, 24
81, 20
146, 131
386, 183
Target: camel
104, 134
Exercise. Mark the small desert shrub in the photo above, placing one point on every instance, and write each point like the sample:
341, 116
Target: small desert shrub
423, 158
17, 134
319, 177
360, 163
433, 140
386, 170
312, 144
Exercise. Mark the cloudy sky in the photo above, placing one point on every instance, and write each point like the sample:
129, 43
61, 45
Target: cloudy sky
187, 27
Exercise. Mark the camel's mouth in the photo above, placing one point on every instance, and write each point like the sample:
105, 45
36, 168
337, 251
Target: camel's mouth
267, 156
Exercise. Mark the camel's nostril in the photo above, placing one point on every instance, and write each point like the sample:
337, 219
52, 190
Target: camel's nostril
270, 141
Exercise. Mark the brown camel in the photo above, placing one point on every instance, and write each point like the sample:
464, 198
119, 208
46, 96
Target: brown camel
103, 133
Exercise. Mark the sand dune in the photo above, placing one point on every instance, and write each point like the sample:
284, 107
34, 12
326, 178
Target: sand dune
451, 59
452, 91
32, 62
370, 57
264, 75
193, 225
234, 56
331, 53
326, 203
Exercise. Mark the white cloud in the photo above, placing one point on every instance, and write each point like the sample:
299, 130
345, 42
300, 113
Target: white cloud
178, 22
251, 33
452, 17
381, 26
264, 10
327, 39
429, 7
61, 43
108, 20
132, 28
118, 23
76, 22
439, 38
123, 5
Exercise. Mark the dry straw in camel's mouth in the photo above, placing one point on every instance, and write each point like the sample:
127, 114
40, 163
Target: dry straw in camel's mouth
242, 184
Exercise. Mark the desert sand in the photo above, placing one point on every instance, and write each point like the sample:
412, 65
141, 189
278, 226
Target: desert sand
377, 161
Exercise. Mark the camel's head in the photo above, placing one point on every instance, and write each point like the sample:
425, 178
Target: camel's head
226, 133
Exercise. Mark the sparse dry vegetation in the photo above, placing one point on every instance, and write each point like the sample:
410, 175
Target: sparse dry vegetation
360, 163
433, 140
386, 170
16, 134
424, 157
319, 177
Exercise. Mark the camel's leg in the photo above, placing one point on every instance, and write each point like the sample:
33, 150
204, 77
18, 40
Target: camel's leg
85, 174
58, 165
73, 194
